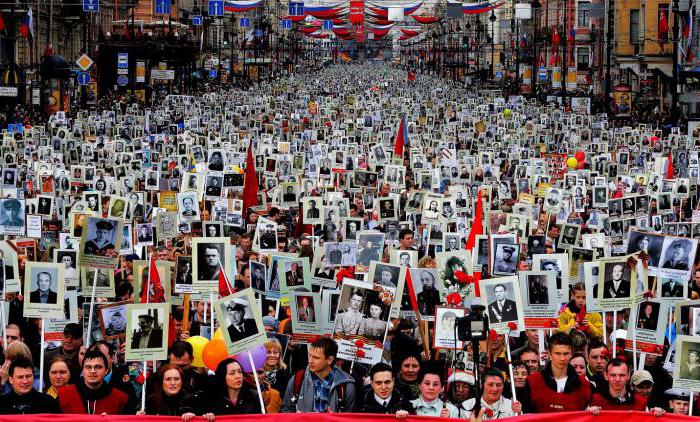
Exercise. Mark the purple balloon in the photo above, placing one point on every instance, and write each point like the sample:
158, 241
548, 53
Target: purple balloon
259, 355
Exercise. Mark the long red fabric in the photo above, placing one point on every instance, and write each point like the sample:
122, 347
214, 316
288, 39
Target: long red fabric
338, 417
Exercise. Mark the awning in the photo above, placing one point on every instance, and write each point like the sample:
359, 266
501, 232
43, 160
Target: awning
665, 68
634, 67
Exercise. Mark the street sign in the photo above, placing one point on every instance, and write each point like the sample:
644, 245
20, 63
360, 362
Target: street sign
286, 24
216, 7
213, 73
499, 75
84, 62
91, 6
122, 80
197, 20
258, 33
163, 7
327, 24
166, 75
245, 23
83, 78
122, 60
296, 8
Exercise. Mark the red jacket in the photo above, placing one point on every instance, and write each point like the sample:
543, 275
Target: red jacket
632, 401
542, 396
77, 398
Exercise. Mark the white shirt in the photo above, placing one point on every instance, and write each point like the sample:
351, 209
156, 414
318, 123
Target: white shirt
561, 383
501, 408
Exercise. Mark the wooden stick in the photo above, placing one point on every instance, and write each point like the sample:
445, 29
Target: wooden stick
186, 313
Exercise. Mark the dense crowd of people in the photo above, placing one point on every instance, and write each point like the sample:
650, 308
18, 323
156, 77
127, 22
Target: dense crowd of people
468, 172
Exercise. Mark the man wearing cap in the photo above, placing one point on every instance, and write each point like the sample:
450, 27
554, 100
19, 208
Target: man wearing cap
10, 215
678, 401
691, 368
642, 382
506, 264
240, 327
147, 337
43, 293
71, 341
678, 259
101, 244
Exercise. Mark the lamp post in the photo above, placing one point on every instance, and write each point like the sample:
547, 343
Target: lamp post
492, 18
675, 112
535, 24
608, 54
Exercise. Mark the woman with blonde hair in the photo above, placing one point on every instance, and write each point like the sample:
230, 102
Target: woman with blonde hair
276, 373
16, 350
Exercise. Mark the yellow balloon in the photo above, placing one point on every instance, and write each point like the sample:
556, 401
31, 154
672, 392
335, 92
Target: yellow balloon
572, 162
198, 343
218, 334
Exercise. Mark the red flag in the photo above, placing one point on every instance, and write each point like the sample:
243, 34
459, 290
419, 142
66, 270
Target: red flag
153, 293
250, 184
669, 168
302, 228
477, 225
401, 137
2, 22
411, 291
555, 37
663, 27
477, 229
225, 287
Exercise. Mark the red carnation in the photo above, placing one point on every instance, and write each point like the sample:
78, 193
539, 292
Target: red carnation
463, 277
493, 335
359, 344
648, 294
512, 326
360, 353
454, 299
488, 412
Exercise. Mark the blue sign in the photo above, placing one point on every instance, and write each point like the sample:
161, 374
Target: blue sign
213, 73
245, 23
123, 61
216, 7
286, 24
163, 7
122, 80
83, 78
197, 20
91, 6
296, 9
20, 128
11, 128
327, 24
258, 33
542, 73
499, 75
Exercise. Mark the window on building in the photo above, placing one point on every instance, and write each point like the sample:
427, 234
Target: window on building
583, 18
664, 22
583, 58
634, 26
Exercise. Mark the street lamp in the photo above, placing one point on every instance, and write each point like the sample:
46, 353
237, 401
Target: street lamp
492, 18
533, 83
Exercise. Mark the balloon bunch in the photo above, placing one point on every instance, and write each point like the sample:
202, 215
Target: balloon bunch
209, 353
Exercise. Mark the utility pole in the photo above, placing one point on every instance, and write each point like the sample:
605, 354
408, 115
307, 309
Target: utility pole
565, 54
608, 54
535, 23
517, 56
675, 112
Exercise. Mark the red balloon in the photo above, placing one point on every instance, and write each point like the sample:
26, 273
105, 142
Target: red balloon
213, 353
580, 156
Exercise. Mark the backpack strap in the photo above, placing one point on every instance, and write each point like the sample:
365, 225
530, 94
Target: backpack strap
341, 398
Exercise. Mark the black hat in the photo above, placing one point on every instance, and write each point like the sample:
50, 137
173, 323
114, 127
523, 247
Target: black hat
12, 204
73, 330
146, 316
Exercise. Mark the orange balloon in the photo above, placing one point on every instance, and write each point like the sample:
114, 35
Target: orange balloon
213, 353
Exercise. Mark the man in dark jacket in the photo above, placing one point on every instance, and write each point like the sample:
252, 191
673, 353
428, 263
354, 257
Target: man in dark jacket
382, 397
24, 399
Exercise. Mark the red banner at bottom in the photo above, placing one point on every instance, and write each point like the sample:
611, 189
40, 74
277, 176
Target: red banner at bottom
345, 417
